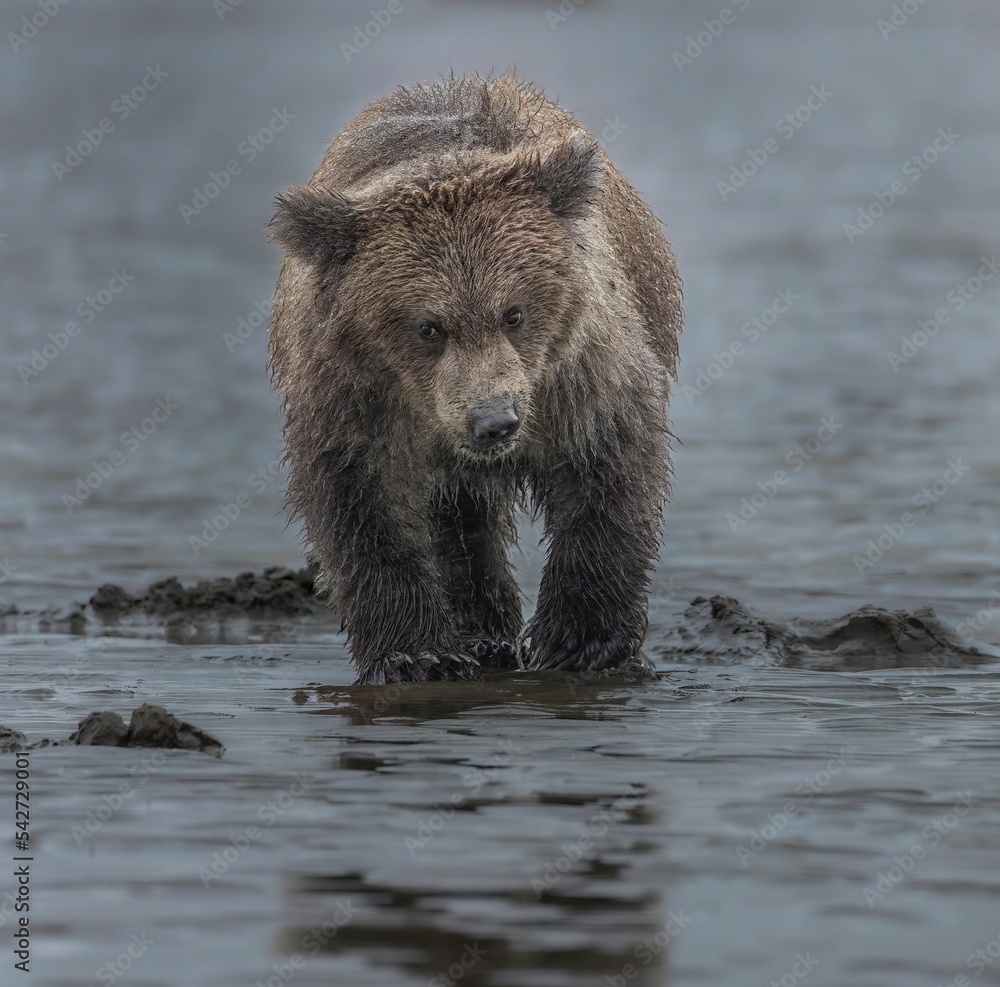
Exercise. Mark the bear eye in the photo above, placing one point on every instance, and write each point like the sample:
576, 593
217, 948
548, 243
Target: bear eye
512, 317
430, 330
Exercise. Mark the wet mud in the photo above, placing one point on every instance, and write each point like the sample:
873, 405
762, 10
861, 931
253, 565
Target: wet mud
275, 593
721, 629
149, 726
718, 629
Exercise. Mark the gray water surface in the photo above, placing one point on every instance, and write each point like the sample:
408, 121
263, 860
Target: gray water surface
743, 820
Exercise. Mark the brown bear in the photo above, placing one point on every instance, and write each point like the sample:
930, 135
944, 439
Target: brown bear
476, 312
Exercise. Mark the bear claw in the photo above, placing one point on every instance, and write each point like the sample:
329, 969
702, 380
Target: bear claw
454, 666
495, 652
423, 667
617, 653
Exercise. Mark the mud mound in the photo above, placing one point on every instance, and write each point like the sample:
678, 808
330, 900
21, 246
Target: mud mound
150, 726
12, 740
275, 591
721, 629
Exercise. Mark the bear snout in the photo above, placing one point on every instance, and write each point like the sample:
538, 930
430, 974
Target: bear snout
493, 422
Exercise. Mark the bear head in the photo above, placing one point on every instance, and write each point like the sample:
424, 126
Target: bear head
457, 285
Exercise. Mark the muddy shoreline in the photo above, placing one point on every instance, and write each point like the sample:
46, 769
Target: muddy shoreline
716, 629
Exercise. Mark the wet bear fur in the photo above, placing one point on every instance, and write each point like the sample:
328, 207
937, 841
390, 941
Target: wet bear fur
465, 246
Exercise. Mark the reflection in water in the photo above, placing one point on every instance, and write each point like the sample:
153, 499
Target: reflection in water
428, 934
547, 693
587, 875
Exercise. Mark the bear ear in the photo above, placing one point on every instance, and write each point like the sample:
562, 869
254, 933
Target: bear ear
315, 225
568, 177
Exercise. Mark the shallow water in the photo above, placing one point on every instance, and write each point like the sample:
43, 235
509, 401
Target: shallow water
546, 828
823, 769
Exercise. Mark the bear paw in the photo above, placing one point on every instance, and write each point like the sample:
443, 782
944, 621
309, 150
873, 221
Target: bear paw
494, 653
619, 653
423, 667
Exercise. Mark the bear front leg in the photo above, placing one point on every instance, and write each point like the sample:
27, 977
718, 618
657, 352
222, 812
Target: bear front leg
473, 532
373, 553
603, 524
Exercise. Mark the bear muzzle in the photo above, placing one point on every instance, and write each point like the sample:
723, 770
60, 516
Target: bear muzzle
494, 423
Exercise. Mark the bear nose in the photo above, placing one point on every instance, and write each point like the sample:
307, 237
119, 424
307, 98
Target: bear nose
494, 422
